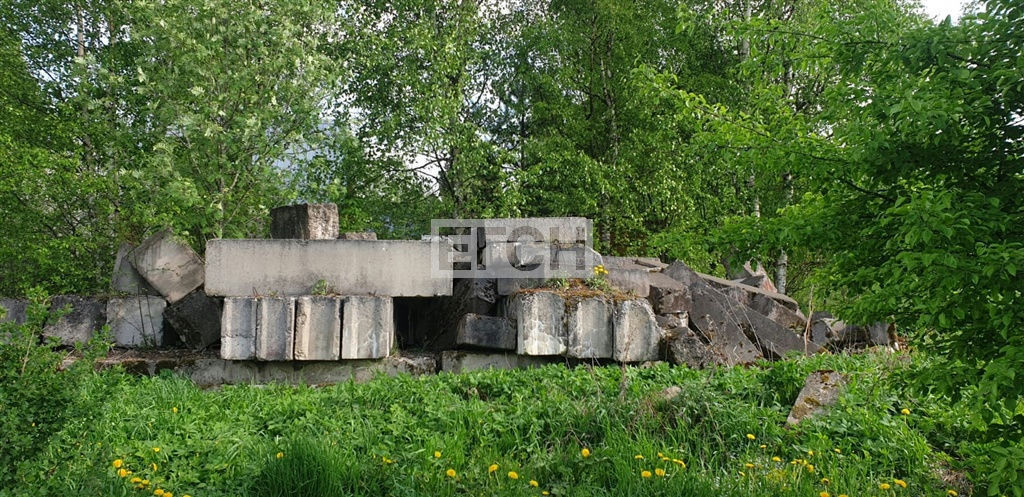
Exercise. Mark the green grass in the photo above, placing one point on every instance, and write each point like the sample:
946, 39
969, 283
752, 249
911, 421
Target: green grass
379, 438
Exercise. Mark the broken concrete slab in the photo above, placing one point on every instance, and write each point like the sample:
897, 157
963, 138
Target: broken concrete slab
196, 318
137, 321
275, 329
304, 222
510, 286
668, 295
396, 268
238, 328
488, 332
15, 310
84, 316
637, 334
539, 323
125, 278
558, 230
368, 327
772, 309
743, 293
358, 235
589, 329
168, 265
684, 347
633, 281
318, 328
821, 389
460, 361
649, 264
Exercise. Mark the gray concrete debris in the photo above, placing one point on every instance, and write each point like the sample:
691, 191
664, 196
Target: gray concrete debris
460, 361
368, 327
821, 390
85, 316
318, 328
168, 265
275, 329
743, 293
15, 310
632, 281
668, 295
304, 222
589, 328
125, 278
137, 321
539, 318
238, 328
637, 335
488, 332
395, 268
196, 318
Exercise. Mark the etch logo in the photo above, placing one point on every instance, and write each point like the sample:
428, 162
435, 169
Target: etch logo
550, 247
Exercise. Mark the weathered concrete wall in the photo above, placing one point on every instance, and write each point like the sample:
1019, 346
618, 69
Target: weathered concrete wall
395, 268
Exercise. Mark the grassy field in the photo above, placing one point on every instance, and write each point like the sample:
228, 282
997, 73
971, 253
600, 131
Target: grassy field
548, 431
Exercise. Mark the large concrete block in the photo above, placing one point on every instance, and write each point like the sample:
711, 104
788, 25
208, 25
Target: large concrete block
637, 335
821, 390
634, 281
169, 265
396, 268
560, 230
125, 278
358, 235
238, 328
668, 296
318, 328
84, 317
15, 310
589, 329
196, 318
539, 321
368, 327
137, 321
275, 329
458, 361
489, 332
305, 222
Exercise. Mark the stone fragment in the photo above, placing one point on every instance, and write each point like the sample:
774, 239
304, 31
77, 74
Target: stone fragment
821, 389
304, 222
637, 334
238, 328
668, 295
563, 231
368, 327
196, 318
358, 235
460, 361
84, 317
275, 329
685, 347
539, 323
634, 281
589, 329
15, 310
396, 268
638, 263
669, 394
488, 332
772, 309
743, 293
137, 321
509, 286
125, 278
318, 328
169, 265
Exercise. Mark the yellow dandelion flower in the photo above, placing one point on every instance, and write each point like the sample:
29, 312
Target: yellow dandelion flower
174, 410
885, 486
437, 454
122, 473
659, 472
158, 492
776, 459
545, 492
825, 481
901, 483
492, 468
168, 494
118, 463
749, 465
533, 483
763, 446
156, 449
145, 482
660, 454
843, 495
823, 494
638, 456
810, 453
810, 468
279, 455
585, 452
750, 436
680, 463
136, 479
951, 493
645, 474
905, 411
513, 475
154, 466
450, 473
837, 451
742, 473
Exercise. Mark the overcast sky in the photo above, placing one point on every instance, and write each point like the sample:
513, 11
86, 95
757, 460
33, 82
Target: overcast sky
939, 9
